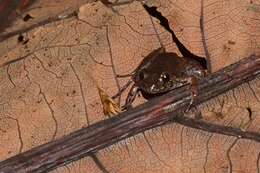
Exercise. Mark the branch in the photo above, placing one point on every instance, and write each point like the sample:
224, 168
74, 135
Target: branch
158, 111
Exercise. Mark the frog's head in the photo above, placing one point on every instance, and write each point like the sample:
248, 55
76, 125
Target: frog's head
154, 82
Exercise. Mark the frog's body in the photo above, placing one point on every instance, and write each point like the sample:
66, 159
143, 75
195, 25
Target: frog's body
161, 72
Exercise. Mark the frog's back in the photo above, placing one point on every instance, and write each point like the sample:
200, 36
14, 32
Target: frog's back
172, 63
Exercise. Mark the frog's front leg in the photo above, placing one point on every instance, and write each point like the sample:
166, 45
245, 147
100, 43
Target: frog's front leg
131, 97
122, 89
193, 82
194, 86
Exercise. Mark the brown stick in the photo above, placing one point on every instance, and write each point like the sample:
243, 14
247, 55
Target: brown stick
156, 112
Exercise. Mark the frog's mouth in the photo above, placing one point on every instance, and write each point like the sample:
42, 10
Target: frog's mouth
159, 88
148, 96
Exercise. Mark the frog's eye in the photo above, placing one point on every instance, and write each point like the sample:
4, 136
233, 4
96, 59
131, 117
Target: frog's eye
165, 77
141, 75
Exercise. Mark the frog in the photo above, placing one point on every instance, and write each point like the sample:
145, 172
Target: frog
160, 72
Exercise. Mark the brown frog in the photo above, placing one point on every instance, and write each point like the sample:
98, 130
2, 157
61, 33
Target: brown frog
160, 72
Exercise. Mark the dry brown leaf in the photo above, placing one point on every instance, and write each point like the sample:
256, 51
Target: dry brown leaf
47, 92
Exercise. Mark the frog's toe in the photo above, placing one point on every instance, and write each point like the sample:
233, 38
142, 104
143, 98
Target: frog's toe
127, 107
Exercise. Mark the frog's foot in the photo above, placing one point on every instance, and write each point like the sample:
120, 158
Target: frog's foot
193, 112
130, 98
